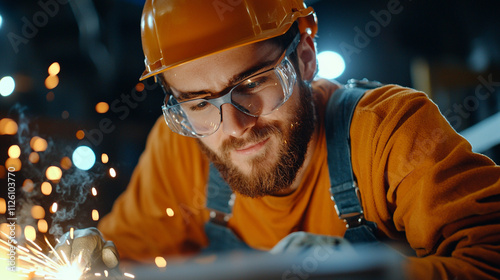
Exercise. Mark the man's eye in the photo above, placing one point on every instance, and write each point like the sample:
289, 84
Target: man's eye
199, 106
254, 84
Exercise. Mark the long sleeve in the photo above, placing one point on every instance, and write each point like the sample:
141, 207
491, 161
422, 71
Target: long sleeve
167, 176
422, 184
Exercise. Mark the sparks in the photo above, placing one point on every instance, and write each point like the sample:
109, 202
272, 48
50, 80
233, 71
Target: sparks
53, 208
33, 263
112, 172
95, 215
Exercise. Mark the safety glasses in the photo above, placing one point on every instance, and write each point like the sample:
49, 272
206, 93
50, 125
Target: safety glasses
257, 95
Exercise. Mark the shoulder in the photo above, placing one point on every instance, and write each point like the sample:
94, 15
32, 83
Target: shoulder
397, 113
379, 100
390, 98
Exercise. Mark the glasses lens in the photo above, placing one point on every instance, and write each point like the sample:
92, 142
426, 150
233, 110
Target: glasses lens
192, 118
259, 95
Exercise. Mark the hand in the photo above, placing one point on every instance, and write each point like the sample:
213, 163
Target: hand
91, 245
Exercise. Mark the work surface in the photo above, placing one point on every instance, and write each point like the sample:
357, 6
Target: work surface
340, 262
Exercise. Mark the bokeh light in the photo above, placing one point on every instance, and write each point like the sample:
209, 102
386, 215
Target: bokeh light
160, 262
3, 206
5, 228
54, 69
28, 185
42, 226
139, 87
46, 188
13, 163
112, 172
95, 215
37, 212
94, 191
34, 157
66, 163
80, 134
7, 86
102, 107
331, 65
53, 208
8, 126
104, 158
65, 114
30, 233
53, 173
170, 212
84, 158
51, 82
50, 96
14, 151
38, 144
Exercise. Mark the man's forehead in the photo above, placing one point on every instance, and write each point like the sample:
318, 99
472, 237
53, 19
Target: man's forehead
220, 67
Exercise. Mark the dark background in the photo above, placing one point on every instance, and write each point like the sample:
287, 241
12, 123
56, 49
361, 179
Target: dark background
97, 44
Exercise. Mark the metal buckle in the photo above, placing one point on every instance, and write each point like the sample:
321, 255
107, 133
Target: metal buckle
352, 219
218, 217
363, 83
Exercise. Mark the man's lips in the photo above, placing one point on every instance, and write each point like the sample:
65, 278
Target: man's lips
252, 148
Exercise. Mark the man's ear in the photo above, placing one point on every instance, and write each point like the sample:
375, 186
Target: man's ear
306, 52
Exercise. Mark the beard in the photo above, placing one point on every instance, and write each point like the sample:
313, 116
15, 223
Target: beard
270, 178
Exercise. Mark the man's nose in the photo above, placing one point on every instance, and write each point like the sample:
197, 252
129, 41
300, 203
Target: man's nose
235, 122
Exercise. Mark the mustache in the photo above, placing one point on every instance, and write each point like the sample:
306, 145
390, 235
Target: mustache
255, 135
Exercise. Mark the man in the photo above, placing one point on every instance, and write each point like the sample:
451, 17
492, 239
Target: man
240, 95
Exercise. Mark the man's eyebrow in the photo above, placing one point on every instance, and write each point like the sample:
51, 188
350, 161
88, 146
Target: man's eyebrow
192, 95
249, 72
232, 81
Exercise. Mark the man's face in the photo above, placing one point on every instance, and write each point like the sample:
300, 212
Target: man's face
257, 156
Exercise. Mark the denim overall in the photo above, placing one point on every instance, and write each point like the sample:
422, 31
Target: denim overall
344, 190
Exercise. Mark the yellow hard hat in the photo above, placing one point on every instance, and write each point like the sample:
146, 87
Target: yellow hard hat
178, 31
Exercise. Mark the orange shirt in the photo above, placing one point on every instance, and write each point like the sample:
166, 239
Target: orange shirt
419, 181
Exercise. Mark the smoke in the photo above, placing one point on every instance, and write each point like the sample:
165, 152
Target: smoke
70, 192
73, 190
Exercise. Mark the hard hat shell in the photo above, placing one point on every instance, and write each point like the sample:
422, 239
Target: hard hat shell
178, 31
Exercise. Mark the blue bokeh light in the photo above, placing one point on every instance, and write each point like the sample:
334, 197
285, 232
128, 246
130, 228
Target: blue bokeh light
83, 158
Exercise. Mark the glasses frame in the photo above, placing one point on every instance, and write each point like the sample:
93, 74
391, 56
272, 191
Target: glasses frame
226, 98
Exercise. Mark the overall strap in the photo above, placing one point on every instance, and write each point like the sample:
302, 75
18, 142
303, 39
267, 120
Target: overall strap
344, 190
220, 198
220, 201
